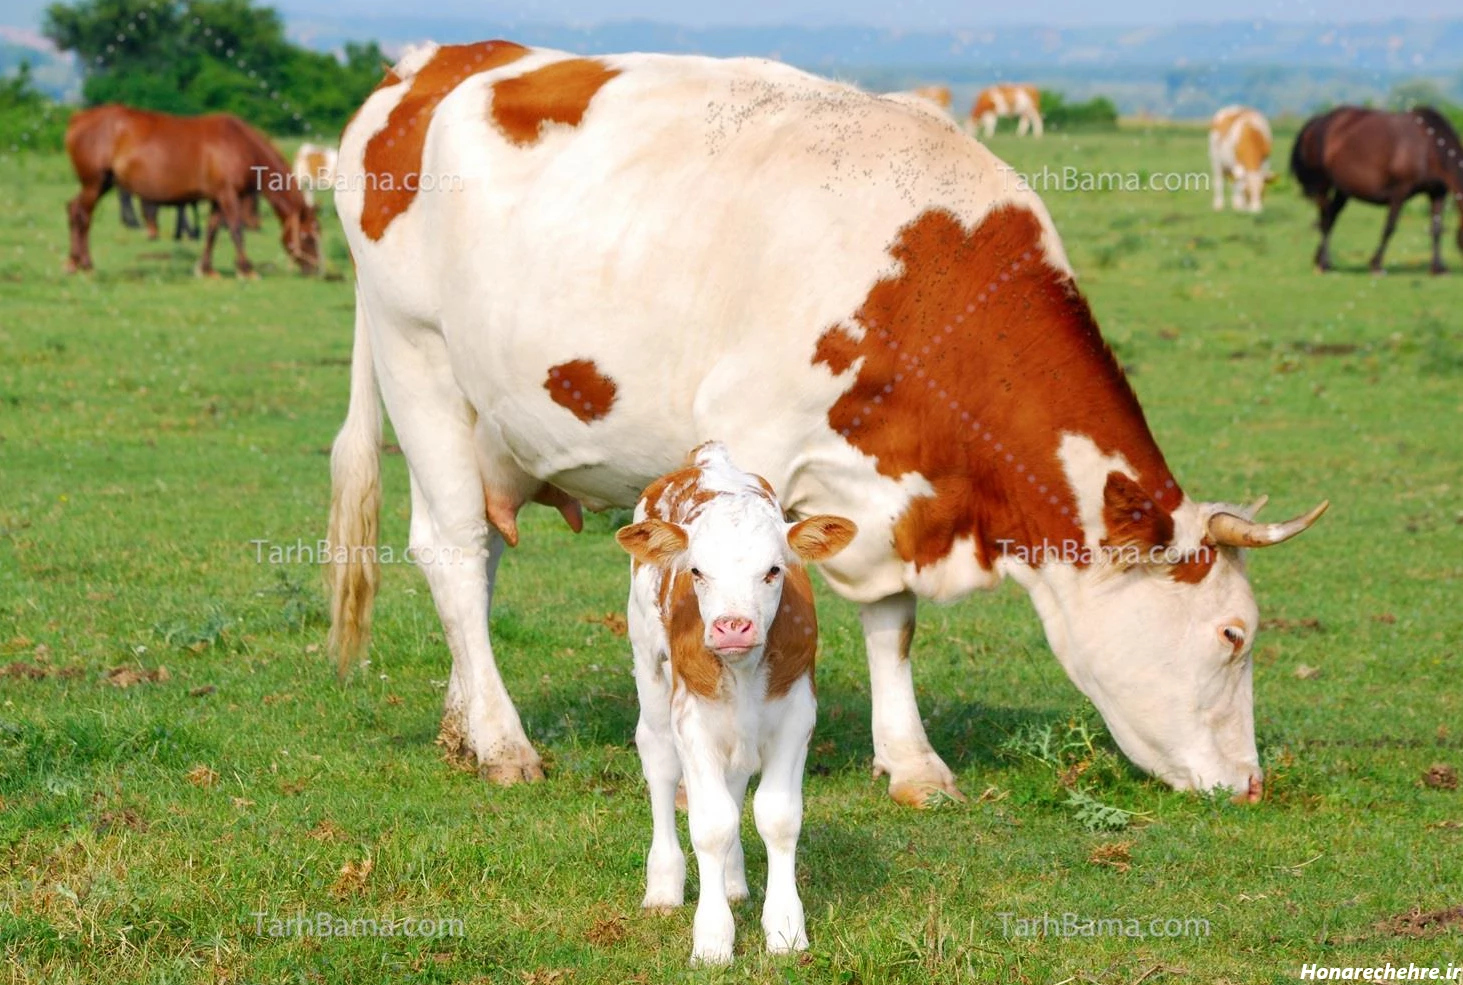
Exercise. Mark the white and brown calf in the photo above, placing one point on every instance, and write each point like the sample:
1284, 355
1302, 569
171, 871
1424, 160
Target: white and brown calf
724, 634
314, 167
1239, 149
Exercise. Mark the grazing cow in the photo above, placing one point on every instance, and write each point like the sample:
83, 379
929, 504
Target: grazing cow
877, 323
938, 95
722, 624
1006, 99
1382, 158
1239, 149
314, 168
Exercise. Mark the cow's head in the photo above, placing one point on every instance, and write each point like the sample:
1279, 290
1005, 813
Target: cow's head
1157, 631
301, 238
736, 551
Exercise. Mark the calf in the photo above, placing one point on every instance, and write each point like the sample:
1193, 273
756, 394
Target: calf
723, 629
1239, 149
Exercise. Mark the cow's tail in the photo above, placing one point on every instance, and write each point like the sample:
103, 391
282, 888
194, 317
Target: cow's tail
352, 568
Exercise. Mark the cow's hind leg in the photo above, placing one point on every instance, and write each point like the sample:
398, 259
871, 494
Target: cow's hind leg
455, 547
901, 749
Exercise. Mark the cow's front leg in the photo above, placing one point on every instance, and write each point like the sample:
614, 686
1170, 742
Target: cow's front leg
778, 808
715, 827
901, 749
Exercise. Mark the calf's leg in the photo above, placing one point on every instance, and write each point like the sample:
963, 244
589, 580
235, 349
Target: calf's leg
665, 866
778, 808
715, 827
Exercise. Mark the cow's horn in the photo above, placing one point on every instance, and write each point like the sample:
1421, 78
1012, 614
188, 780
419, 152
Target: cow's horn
1233, 530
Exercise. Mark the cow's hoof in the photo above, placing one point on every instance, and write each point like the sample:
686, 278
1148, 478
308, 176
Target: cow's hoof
930, 787
506, 774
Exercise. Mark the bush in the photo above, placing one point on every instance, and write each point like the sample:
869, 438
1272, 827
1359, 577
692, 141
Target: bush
1098, 113
28, 119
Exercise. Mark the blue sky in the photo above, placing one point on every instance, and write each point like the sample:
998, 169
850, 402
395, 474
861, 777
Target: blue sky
912, 14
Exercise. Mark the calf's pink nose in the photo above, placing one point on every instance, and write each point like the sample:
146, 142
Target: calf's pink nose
731, 632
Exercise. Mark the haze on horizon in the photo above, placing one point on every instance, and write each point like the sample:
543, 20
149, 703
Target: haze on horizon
905, 14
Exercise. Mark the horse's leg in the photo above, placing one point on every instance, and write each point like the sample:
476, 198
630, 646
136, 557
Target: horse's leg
205, 261
129, 214
78, 218
182, 229
1330, 209
149, 218
233, 216
1392, 211
1438, 202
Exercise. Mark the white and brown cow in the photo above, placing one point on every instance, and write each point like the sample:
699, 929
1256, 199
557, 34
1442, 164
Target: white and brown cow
1007, 99
722, 624
314, 168
1239, 149
570, 267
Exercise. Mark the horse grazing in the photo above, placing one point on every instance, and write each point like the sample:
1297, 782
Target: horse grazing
175, 160
1383, 158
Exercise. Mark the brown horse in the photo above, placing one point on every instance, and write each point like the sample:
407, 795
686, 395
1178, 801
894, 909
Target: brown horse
1382, 158
172, 160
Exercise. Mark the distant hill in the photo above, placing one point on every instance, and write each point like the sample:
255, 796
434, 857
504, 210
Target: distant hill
1183, 71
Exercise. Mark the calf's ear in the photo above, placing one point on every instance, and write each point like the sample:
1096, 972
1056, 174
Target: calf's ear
653, 541
820, 537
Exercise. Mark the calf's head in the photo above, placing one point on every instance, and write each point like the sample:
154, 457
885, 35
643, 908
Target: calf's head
736, 551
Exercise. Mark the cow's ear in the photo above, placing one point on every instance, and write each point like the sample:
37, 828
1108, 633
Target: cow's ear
1131, 516
820, 537
653, 541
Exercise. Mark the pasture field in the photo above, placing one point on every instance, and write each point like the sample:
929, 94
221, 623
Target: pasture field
180, 773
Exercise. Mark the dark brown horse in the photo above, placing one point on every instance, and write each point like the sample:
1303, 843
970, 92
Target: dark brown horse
173, 160
1382, 158
185, 229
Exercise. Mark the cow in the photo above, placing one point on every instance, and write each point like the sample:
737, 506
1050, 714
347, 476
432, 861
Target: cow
1007, 99
936, 94
314, 168
724, 634
1239, 149
569, 267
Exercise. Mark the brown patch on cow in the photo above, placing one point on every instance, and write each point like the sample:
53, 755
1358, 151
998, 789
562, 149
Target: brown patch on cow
906, 639
976, 358
677, 497
693, 666
393, 157
1195, 567
1252, 148
580, 388
792, 639
985, 102
1130, 516
557, 93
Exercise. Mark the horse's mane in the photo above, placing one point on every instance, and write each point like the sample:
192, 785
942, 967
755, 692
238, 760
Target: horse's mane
1452, 164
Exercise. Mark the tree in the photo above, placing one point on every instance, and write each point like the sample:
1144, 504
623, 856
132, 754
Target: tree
195, 56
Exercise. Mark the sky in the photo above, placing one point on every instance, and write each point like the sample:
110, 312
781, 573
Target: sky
910, 14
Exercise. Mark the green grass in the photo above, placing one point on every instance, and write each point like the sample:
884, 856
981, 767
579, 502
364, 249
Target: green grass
153, 425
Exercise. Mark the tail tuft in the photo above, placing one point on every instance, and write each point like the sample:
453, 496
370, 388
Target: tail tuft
352, 569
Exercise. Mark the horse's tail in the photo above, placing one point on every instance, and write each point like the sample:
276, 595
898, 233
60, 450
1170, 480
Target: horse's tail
1306, 157
352, 570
